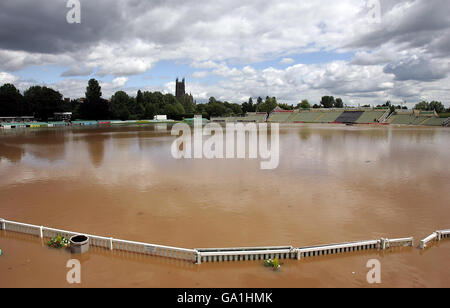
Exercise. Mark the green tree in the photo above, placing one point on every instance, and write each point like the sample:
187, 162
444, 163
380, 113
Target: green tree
201, 109
11, 101
248, 106
94, 107
422, 106
259, 101
187, 102
44, 102
339, 103
286, 106
327, 101
93, 91
172, 107
304, 104
215, 109
438, 106
269, 105
119, 105
236, 109
136, 106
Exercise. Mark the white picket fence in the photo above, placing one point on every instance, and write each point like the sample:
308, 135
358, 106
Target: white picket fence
435, 236
104, 242
201, 255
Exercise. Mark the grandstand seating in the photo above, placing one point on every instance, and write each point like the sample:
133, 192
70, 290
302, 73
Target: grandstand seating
306, 117
254, 117
411, 119
419, 120
349, 116
370, 116
328, 117
280, 117
404, 119
434, 122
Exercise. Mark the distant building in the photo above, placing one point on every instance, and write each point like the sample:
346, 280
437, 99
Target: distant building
62, 116
180, 88
161, 118
16, 119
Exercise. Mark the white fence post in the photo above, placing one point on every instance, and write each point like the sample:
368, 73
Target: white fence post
384, 243
439, 236
41, 232
111, 244
424, 242
3, 227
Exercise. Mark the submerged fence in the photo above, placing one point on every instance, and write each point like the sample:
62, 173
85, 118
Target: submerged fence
435, 236
202, 255
103, 242
289, 252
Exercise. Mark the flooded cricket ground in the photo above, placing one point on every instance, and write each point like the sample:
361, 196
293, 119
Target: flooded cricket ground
334, 183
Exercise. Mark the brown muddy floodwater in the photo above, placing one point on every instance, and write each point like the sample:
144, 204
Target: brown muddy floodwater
334, 184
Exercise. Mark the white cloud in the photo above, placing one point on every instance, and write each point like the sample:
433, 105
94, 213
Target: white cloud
200, 74
227, 39
7, 78
418, 68
205, 65
287, 61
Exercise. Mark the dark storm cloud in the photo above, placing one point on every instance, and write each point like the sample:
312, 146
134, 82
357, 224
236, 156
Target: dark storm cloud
416, 68
41, 26
424, 24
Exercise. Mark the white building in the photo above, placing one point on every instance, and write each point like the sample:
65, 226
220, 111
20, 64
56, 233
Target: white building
160, 118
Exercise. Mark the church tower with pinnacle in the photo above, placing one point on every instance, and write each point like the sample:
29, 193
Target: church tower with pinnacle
180, 89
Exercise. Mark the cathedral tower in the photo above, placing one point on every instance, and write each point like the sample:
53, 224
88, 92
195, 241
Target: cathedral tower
180, 88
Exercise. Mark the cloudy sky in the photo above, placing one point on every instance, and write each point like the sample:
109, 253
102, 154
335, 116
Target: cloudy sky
365, 51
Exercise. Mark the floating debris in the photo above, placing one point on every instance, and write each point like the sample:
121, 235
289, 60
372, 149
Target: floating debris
58, 242
274, 264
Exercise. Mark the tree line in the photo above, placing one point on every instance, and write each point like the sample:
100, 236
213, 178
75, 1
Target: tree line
43, 102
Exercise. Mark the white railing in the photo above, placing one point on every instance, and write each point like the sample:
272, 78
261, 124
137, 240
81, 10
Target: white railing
385, 116
288, 252
337, 248
435, 236
245, 253
200, 255
103, 242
